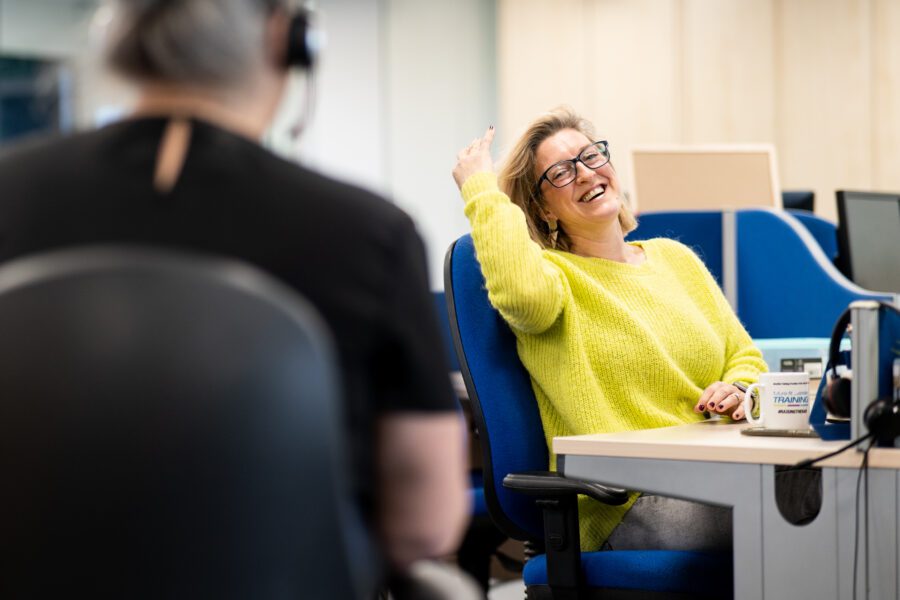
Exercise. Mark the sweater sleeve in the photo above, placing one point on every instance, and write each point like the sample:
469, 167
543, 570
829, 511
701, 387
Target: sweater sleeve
522, 285
743, 360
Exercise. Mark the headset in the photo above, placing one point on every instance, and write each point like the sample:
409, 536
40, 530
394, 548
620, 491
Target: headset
304, 40
882, 415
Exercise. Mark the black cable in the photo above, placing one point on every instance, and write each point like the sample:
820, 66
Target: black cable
863, 468
811, 461
309, 96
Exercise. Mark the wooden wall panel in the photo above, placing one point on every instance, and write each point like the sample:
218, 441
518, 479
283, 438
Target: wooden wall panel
886, 90
824, 97
818, 78
540, 61
729, 68
634, 88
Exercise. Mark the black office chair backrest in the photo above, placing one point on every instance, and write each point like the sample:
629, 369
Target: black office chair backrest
169, 427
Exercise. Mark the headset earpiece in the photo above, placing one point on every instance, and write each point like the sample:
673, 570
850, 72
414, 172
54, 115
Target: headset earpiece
882, 418
837, 391
302, 46
837, 396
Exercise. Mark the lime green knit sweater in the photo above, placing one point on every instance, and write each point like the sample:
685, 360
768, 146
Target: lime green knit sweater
610, 346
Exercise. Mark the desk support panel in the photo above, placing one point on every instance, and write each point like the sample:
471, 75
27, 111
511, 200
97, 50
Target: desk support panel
774, 559
725, 484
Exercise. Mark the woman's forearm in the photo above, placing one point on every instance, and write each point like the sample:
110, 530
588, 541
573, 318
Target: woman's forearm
521, 283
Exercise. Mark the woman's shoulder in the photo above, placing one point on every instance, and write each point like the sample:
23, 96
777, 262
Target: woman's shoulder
676, 255
669, 247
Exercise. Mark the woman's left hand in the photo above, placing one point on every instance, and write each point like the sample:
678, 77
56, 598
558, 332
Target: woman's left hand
474, 158
722, 398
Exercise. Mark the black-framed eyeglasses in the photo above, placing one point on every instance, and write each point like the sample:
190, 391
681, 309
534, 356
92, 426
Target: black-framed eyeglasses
563, 173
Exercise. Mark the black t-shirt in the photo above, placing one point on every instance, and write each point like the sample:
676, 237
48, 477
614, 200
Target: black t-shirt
356, 257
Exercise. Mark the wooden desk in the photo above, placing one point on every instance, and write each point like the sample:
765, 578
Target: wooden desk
712, 462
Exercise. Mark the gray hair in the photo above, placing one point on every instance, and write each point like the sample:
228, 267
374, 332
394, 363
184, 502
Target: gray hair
207, 42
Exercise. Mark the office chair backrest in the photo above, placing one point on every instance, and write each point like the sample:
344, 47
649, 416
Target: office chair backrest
169, 427
787, 287
499, 387
701, 230
440, 305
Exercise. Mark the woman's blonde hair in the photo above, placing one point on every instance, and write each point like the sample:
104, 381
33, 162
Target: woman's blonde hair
518, 180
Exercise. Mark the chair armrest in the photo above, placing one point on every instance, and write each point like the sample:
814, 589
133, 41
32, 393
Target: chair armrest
549, 484
557, 496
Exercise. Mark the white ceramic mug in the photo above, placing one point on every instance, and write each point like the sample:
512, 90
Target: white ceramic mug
783, 401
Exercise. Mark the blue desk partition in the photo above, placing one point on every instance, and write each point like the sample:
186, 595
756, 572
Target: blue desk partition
823, 230
787, 287
701, 230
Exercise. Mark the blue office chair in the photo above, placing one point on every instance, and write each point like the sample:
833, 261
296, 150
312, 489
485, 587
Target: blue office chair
787, 287
701, 230
170, 427
535, 505
482, 538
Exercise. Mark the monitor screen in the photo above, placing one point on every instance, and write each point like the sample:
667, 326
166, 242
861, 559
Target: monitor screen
869, 239
799, 200
34, 97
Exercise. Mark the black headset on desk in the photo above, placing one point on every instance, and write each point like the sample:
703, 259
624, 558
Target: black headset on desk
882, 415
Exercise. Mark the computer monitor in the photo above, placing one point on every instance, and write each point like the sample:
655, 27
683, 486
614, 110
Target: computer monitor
869, 239
35, 97
799, 200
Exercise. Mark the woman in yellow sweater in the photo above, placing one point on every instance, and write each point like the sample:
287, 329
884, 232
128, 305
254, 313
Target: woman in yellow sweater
616, 335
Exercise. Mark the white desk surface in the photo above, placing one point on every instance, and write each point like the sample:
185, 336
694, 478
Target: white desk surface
718, 441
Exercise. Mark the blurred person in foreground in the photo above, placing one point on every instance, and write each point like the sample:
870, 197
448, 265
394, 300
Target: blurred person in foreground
186, 170
616, 335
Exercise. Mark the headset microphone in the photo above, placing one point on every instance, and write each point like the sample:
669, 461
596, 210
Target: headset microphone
305, 41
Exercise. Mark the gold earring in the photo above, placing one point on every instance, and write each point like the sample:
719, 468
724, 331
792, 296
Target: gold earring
553, 226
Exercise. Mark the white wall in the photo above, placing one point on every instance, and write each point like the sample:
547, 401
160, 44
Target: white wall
405, 83
441, 93
47, 28
347, 102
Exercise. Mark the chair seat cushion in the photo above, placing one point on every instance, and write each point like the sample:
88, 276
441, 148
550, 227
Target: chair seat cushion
700, 573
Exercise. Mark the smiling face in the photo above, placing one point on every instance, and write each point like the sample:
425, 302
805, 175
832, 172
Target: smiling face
592, 201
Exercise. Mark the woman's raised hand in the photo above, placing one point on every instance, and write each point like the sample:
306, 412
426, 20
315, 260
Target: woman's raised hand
474, 158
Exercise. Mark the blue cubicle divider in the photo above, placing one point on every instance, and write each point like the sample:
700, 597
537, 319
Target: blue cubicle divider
823, 230
787, 287
700, 230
